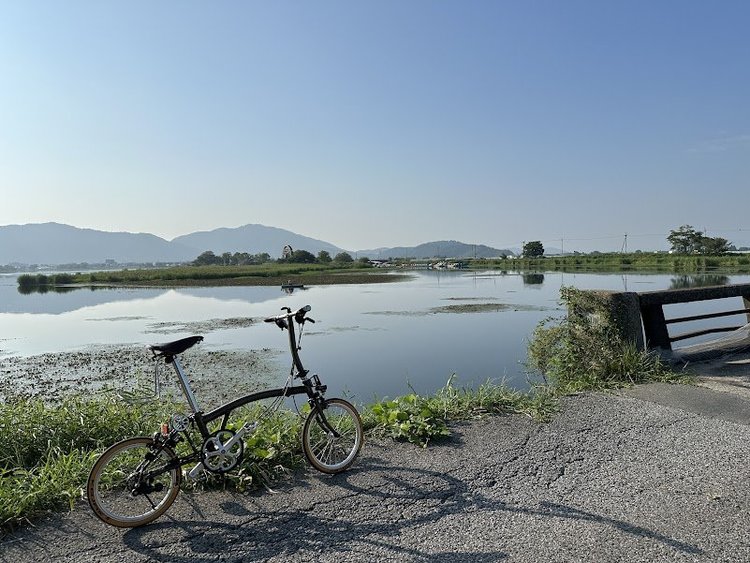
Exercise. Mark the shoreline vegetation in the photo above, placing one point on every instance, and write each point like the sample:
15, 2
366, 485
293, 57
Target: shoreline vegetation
47, 450
360, 272
635, 262
206, 276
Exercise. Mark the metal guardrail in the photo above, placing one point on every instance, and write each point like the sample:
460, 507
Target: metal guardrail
655, 324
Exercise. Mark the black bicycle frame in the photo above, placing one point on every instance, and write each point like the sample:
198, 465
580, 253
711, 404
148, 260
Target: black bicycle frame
310, 387
202, 420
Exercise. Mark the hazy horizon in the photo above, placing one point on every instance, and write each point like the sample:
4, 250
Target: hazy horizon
372, 125
548, 245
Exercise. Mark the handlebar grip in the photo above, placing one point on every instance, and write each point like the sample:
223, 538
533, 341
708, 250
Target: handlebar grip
299, 316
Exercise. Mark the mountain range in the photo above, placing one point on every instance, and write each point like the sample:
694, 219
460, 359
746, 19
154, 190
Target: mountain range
55, 243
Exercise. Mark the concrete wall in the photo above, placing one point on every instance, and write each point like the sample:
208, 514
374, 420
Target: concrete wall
623, 309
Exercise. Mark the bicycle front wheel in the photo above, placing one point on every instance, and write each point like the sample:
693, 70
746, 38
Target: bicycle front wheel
133, 483
332, 437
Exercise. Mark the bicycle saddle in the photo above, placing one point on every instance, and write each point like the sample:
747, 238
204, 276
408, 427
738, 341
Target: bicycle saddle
170, 349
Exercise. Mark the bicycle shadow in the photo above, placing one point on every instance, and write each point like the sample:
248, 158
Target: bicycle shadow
479, 502
420, 497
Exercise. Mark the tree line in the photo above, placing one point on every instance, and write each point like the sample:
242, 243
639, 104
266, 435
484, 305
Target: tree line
209, 258
683, 240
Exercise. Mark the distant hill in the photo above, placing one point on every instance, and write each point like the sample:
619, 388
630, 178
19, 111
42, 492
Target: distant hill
253, 239
437, 249
53, 243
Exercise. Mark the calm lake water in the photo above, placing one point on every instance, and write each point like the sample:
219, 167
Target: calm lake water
369, 340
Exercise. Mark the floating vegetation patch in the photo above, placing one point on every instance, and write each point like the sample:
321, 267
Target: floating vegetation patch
216, 375
124, 318
482, 308
470, 299
199, 326
463, 308
398, 313
349, 329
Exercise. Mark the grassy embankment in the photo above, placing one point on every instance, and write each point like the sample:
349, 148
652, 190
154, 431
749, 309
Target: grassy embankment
263, 274
47, 450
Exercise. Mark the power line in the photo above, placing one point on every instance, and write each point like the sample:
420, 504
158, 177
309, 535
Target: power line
624, 245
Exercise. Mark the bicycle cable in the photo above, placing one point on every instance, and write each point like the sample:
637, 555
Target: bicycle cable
291, 374
277, 402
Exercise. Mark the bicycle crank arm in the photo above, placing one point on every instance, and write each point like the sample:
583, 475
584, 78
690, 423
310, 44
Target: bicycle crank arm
246, 428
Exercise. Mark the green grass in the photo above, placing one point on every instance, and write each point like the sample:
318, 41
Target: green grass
262, 274
252, 274
48, 450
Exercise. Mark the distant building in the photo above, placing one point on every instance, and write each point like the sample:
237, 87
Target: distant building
287, 252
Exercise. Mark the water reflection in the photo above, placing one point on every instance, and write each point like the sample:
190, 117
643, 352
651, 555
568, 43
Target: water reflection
28, 290
365, 342
687, 281
533, 279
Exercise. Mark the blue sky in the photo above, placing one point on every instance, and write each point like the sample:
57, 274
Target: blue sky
370, 124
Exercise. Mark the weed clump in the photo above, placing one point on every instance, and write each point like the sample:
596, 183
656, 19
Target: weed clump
586, 350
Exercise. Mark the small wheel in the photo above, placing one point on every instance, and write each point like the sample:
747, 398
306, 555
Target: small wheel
133, 483
332, 437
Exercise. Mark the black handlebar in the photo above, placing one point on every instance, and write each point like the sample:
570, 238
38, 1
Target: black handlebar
282, 321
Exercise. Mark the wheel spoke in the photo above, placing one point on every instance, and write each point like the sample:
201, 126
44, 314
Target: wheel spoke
123, 492
332, 438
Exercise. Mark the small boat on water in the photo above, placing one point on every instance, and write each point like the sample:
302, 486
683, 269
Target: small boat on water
290, 287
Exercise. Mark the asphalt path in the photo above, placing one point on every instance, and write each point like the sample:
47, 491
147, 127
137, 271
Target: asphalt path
612, 478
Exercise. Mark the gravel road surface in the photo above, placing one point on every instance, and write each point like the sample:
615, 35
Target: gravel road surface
611, 478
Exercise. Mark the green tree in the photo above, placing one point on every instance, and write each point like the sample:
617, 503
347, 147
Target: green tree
685, 240
241, 259
301, 257
533, 249
343, 258
324, 257
206, 259
714, 245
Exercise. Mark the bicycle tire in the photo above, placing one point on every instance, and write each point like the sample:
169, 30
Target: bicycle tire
114, 477
333, 436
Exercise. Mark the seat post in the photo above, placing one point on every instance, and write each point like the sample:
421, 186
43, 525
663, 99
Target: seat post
185, 384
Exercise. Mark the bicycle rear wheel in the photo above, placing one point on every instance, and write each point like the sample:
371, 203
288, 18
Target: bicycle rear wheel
333, 436
133, 483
